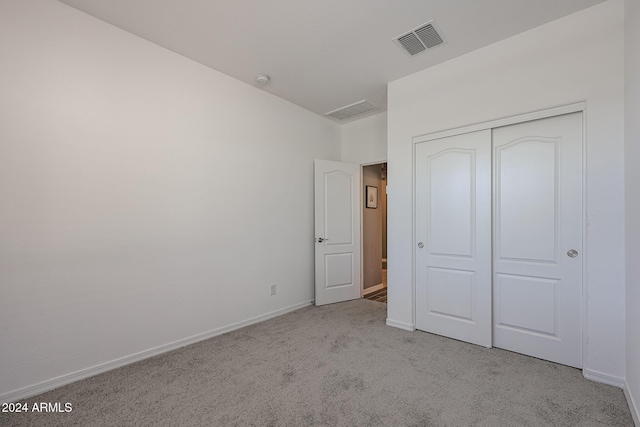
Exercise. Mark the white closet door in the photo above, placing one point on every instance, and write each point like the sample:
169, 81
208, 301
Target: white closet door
538, 238
453, 237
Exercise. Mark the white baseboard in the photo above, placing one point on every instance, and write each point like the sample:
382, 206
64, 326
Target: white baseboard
601, 377
633, 407
372, 289
401, 325
41, 387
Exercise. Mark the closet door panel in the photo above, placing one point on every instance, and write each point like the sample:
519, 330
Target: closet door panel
537, 225
453, 237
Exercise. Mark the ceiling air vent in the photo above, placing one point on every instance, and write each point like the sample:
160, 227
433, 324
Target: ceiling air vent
426, 36
359, 108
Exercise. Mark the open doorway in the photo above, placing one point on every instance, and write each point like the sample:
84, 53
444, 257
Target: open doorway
374, 232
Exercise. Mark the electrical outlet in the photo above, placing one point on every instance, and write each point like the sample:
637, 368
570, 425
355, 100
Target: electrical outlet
273, 289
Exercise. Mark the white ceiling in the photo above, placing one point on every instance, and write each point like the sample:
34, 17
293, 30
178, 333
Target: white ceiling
322, 55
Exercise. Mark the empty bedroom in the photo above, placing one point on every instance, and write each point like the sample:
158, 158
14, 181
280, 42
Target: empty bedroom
294, 213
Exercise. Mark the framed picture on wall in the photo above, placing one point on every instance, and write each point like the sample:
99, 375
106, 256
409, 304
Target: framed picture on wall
372, 197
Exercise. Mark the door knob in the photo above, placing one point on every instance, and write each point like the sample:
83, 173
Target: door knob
421, 245
321, 239
572, 253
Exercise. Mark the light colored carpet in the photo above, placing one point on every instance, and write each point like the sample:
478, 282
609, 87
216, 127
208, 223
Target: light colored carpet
337, 365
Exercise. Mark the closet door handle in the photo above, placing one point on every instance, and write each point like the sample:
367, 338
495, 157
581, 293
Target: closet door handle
572, 253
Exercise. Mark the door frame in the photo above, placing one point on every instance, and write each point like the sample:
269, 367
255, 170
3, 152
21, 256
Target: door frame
511, 120
362, 208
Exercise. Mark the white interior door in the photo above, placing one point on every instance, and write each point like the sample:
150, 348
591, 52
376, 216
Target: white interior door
453, 237
538, 238
337, 231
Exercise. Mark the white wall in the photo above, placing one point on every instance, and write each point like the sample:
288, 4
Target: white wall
145, 198
364, 141
560, 63
632, 188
